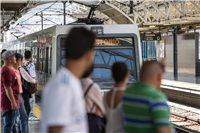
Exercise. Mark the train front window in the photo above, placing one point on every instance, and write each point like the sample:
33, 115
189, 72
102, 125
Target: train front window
107, 52
104, 59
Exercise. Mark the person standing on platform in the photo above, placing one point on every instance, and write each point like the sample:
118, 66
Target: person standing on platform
63, 103
144, 105
9, 92
23, 117
112, 99
93, 100
31, 70
4, 50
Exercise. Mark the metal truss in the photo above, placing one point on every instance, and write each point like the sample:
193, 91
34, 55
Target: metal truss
155, 12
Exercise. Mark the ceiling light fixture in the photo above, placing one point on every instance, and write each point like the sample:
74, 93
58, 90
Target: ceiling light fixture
166, 23
152, 26
183, 20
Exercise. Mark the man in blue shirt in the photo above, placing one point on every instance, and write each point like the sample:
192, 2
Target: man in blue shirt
31, 70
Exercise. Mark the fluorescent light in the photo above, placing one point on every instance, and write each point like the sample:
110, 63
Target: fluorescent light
88, 2
152, 26
166, 23
183, 20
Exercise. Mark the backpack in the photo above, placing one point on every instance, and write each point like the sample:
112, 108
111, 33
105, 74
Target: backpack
31, 88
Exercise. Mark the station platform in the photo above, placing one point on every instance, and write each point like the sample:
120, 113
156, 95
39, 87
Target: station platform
182, 77
33, 125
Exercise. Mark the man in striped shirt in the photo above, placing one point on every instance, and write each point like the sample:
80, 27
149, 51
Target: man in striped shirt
144, 105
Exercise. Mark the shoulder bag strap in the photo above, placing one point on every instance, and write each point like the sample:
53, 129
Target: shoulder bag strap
88, 89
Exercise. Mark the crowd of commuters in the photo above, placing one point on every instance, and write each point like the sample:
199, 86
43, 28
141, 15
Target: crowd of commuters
72, 102
15, 104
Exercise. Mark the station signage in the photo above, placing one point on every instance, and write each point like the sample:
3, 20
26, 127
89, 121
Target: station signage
107, 42
150, 36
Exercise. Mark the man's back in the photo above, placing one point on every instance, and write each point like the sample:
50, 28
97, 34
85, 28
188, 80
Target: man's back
30, 68
63, 103
145, 109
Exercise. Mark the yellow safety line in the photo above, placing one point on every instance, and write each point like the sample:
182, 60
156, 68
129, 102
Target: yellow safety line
37, 111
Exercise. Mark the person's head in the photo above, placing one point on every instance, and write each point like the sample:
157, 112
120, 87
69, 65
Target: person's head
28, 55
9, 58
88, 71
120, 72
152, 73
19, 59
79, 47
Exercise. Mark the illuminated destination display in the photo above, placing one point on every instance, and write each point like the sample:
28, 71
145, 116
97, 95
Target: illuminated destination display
114, 42
108, 42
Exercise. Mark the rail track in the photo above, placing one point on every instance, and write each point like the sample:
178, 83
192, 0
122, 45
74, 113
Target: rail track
184, 119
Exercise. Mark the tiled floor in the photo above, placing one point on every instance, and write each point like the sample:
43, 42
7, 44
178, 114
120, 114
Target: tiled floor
33, 126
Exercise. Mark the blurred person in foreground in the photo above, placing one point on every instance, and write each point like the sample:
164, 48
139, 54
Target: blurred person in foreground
2, 62
93, 100
30, 67
144, 105
112, 99
62, 100
9, 92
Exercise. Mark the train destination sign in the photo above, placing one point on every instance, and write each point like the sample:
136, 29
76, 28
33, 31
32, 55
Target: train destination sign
113, 42
150, 36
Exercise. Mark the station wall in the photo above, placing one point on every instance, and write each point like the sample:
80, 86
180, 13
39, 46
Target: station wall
187, 50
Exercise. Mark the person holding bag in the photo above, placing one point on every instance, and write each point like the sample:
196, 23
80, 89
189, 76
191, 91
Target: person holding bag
94, 105
25, 76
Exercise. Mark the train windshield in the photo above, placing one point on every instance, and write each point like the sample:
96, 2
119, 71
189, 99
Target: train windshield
105, 58
107, 51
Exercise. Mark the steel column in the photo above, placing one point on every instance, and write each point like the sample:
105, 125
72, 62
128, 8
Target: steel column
175, 52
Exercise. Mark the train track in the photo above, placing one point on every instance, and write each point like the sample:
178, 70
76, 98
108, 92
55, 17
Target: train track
184, 120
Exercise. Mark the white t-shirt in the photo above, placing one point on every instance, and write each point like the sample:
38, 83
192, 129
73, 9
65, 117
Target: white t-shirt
63, 104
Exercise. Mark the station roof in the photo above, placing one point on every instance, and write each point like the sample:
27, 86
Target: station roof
151, 16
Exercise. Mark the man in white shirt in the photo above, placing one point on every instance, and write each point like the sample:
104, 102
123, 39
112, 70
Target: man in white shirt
63, 101
31, 70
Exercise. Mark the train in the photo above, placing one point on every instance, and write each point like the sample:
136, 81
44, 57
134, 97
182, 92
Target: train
113, 43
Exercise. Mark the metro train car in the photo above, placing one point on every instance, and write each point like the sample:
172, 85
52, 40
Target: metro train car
113, 43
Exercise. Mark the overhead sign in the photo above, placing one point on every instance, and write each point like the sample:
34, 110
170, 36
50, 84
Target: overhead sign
150, 36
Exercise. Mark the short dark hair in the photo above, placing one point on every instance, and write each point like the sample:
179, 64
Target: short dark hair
78, 42
4, 50
88, 72
27, 54
119, 71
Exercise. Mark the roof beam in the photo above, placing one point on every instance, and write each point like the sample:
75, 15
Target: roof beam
148, 11
13, 1
137, 14
156, 7
197, 7
171, 4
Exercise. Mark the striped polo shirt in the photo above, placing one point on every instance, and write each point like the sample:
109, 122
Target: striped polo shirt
145, 109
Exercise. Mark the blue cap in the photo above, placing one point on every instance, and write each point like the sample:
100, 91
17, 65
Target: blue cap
18, 56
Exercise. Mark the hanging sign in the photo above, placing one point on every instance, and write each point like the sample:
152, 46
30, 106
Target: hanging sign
150, 36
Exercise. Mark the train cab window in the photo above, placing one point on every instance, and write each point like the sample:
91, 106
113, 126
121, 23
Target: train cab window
107, 51
105, 58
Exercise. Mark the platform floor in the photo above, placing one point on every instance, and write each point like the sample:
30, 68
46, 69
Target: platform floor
183, 77
33, 126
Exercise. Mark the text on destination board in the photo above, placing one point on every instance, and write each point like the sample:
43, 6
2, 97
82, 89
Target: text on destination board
100, 42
